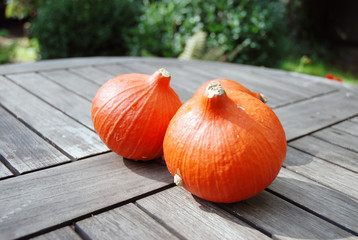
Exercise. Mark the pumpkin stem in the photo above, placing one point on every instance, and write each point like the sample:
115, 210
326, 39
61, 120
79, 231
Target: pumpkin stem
214, 89
178, 181
160, 76
263, 98
164, 72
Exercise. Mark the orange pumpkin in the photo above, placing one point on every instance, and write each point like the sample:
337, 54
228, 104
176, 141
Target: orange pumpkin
131, 113
224, 148
230, 85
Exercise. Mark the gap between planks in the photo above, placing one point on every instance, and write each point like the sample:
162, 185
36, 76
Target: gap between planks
82, 234
48, 103
306, 99
332, 162
91, 214
307, 209
8, 165
40, 135
325, 179
43, 74
184, 209
67, 232
243, 219
319, 129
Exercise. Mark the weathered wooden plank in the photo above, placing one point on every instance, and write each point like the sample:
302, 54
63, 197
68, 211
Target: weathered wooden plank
314, 78
66, 133
327, 151
194, 218
59, 195
93, 74
304, 117
125, 222
203, 71
73, 82
180, 70
114, 69
65, 233
348, 127
285, 220
24, 149
326, 173
323, 201
309, 81
309, 84
277, 94
355, 119
61, 98
309, 87
61, 64
4, 171
305, 80
338, 137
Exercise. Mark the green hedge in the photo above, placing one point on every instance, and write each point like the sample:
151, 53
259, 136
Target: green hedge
71, 28
243, 31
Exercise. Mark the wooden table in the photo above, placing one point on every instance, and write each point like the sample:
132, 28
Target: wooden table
59, 181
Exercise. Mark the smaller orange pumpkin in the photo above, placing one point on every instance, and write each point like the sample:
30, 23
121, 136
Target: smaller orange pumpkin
224, 148
131, 113
230, 85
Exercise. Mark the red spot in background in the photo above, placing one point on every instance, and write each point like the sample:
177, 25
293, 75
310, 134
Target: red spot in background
333, 78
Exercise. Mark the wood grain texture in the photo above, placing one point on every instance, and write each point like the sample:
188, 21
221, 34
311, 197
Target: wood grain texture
301, 78
304, 117
60, 64
276, 94
4, 171
194, 218
58, 195
24, 149
73, 82
323, 201
59, 97
355, 119
253, 78
326, 173
315, 195
93, 74
339, 137
349, 127
284, 220
66, 133
114, 69
125, 222
65, 233
310, 87
327, 151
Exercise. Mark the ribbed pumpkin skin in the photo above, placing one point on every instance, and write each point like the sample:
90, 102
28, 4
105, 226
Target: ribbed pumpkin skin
226, 148
228, 85
131, 113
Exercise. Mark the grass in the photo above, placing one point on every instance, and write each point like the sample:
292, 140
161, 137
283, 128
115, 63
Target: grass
320, 68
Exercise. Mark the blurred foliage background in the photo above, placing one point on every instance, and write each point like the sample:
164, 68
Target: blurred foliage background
296, 35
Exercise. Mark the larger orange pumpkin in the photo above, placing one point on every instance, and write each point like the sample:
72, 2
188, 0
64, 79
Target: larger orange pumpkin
230, 85
131, 113
224, 148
